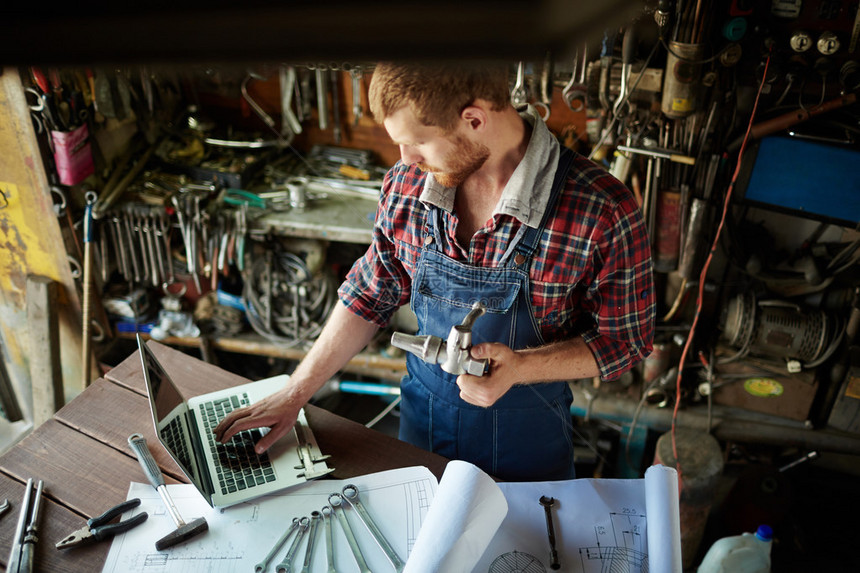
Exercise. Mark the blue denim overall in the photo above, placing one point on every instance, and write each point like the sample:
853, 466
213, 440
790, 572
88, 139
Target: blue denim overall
526, 435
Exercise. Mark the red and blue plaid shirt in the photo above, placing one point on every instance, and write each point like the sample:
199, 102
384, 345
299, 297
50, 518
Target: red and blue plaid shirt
591, 276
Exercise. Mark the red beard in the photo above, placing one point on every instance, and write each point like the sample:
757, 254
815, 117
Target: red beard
466, 158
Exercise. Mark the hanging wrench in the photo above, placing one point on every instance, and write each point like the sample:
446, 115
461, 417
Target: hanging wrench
350, 493
286, 566
289, 121
312, 538
575, 91
322, 89
336, 502
261, 566
519, 96
329, 541
355, 75
335, 104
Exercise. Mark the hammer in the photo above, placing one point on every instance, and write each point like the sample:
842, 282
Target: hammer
184, 531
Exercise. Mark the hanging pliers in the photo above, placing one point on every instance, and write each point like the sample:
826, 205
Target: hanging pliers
99, 529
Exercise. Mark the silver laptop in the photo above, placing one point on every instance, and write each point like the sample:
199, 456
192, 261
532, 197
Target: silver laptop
226, 474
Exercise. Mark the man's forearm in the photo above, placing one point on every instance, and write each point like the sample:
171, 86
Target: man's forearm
343, 336
565, 360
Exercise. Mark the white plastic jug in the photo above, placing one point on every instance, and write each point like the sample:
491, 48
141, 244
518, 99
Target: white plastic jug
746, 553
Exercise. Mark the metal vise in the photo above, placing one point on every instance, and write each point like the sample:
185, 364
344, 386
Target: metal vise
454, 356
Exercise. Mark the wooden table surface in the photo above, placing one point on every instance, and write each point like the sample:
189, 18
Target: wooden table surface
82, 454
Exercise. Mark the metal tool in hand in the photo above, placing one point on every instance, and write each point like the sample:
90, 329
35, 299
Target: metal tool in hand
261, 566
455, 356
350, 493
100, 529
336, 502
286, 565
547, 503
24, 542
519, 96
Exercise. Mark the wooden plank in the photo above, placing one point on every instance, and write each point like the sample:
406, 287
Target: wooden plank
127, 413
364, 363
356, 450
55, 523
193, 376
86, 475
31, 236
45, 373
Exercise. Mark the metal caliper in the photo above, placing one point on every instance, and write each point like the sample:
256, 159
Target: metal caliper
454, 356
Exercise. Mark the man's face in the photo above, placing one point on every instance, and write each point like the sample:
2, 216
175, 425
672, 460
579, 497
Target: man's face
450, 157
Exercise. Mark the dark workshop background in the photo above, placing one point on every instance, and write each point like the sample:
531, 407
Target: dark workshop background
207, 173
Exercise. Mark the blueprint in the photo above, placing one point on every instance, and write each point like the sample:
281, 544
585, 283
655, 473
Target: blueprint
600, 525
240, 536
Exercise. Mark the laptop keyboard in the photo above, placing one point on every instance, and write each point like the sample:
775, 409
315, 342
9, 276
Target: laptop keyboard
172, 435
240, 467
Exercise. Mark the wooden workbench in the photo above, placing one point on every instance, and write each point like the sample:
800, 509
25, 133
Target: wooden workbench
82, 454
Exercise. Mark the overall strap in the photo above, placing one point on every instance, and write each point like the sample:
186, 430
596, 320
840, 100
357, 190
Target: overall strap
528, 245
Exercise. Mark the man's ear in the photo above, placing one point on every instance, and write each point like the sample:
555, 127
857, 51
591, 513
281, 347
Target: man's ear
475, 116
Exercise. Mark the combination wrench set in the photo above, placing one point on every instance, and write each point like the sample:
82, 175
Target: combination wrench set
339, 504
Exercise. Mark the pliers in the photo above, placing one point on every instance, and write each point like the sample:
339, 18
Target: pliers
98, 528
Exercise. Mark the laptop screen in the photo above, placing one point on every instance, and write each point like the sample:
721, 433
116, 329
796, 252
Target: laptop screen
170, 413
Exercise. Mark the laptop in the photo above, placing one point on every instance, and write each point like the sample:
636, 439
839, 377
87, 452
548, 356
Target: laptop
231, 473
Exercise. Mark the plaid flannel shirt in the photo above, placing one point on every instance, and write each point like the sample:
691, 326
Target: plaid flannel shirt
591, 276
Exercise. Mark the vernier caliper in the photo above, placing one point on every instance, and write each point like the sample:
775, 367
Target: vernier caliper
454, 356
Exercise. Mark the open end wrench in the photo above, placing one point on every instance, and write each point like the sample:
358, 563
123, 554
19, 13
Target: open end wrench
547, 503
261, 566
350, 493
329, 542
576, 90
312, 539
286, 566
519, 96
336, 502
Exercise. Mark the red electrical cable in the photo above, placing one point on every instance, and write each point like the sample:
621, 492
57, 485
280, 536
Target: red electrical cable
704, 273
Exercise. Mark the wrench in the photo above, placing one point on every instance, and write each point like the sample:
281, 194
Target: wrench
329, 541
125, 225
576, 89
322, 103
336, 502
261, 566
355, 76
335, 104
519, 96
286, 566
289, 121
547, 503
350, 493
312, 538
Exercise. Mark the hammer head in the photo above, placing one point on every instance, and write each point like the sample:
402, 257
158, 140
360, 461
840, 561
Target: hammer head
182, 534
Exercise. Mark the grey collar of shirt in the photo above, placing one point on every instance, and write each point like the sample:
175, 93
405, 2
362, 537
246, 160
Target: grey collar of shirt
527, 192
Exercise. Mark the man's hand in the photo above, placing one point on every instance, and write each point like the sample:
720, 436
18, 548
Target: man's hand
277, 412
503, 373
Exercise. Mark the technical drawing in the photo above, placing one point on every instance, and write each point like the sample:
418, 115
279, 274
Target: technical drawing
622, 546
516, 562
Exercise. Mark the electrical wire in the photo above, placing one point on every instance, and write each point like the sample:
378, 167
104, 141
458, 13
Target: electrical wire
704, 272
294, 314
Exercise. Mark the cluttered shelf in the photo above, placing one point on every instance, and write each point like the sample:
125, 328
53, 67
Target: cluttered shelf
371, 364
